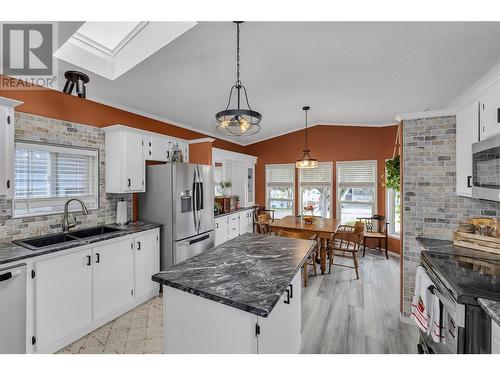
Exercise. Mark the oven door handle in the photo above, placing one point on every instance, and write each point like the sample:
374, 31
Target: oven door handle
449, 305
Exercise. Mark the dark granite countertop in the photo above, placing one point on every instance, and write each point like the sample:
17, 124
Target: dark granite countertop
235, 211
492, 308
11, 252
249, 273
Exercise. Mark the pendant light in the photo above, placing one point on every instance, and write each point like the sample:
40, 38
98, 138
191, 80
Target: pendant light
238, 121
307, 162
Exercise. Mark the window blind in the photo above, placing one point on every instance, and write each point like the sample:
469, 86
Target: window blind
359, 173
46, 176
280, 174
322, 175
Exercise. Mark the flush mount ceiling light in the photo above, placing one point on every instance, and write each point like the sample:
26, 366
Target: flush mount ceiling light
79, 79
238, 121
307, 162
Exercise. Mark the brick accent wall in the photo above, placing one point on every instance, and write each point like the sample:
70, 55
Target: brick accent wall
431, 207
51, 131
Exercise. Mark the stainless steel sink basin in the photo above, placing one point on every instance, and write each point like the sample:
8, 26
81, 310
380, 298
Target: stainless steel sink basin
52, 240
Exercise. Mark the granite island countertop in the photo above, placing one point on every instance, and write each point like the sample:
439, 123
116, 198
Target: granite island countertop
249, 273
11, 252
492, 308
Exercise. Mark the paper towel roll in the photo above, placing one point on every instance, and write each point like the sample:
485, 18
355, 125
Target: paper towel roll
121, 212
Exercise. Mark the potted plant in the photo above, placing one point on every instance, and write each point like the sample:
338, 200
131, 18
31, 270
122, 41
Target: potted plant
226, 187
392, 176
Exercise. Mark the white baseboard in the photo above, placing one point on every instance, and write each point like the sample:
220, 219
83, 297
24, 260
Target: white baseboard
65, 341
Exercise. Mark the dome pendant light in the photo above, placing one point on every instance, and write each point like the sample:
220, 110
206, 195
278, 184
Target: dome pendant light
307, 162
238, 121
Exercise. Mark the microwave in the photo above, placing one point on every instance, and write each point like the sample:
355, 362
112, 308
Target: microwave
486, 169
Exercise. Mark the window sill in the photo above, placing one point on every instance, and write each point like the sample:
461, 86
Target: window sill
394, 236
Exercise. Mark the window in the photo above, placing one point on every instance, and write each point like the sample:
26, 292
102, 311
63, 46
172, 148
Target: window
393, 212
356, 190
280, 180
315, 187
46, 176
218, 178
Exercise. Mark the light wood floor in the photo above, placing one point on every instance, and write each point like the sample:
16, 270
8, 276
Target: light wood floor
343, 315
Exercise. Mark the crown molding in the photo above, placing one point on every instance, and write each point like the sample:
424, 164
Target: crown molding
201, 140
472, 92
8, 102
425, 114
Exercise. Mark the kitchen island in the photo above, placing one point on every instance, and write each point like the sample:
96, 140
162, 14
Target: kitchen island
243, 296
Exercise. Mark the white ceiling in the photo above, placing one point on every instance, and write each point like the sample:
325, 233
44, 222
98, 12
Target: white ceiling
348, 72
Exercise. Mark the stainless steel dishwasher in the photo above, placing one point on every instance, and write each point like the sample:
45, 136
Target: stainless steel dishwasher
13, 309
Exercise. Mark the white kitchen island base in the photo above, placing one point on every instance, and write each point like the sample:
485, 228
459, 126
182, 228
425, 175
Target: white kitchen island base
195, 325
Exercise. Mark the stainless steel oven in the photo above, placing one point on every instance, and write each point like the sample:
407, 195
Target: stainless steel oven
469, 330
486, 169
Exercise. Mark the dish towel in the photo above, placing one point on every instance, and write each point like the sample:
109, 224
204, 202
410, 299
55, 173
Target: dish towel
437, 319
421, 306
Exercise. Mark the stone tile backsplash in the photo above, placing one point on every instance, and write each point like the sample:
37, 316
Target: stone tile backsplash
431, 207
52, 131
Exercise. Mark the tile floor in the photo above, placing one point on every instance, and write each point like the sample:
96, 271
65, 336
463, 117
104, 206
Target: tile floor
136, 332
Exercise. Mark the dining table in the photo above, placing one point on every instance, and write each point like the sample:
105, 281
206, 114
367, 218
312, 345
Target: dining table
323, 228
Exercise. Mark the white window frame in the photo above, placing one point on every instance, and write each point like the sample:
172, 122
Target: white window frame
267, 185
317, 184
391, 213
92, 200
338, 185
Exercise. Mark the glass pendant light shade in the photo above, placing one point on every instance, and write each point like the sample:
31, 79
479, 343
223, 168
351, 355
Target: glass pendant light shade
306, 162
238, 121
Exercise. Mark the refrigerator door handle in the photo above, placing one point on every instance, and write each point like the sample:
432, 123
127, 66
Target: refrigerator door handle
195, 205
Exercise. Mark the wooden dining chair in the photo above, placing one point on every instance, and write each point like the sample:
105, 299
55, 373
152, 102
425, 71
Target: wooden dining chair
257, 224
345, 243
311, 259
263, 222
376, 228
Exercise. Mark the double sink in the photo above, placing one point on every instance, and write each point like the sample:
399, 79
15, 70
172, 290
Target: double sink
51, 240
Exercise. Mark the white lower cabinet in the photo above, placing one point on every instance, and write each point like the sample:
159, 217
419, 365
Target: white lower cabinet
76, 292
63, 296
196, 325
495, 338
113, 274
233, 225
146, 262
221, 230
280, 332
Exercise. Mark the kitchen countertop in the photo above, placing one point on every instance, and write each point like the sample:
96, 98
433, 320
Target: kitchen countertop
249, 273
470, 274
11, 252
235, 211
492, 308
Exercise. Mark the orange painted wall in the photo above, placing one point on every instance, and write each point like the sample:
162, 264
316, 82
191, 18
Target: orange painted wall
327, 144
200, 153
55, 104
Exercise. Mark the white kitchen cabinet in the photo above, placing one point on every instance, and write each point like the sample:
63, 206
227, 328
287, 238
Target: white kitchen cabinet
280, 332
489, 102
146, 263
467, 134
125, 166
63, 296
234, 226
197, 325
249, 199
495, 338
221, 230
113, 277
7, 120
157, 147
246, 222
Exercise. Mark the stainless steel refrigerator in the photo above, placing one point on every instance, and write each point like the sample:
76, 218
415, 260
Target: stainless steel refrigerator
181, 197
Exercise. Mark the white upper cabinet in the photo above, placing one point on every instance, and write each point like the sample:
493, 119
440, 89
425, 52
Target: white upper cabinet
127, 150
489, 102
7, 146
467, 134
